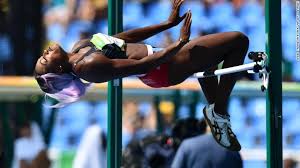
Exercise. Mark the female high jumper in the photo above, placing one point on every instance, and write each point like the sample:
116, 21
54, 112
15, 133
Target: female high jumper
65, 76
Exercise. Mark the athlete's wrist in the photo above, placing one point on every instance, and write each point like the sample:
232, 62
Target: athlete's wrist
183, 41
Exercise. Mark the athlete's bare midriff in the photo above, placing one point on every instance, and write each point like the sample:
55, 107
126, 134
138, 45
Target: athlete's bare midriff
136, 51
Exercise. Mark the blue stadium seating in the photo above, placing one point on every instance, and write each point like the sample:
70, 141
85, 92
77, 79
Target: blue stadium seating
133, 14
260, 132
221, 13
292, 141
287, 13
233, 24
101, 26
294, 124
183, 111
292, 131
126, 137
101, 114
257, 37
204, 24
55, 32
76, 115
290, 106
5, 48
256, 110
236, 110
199, 110
246, 137
159, 11
197, 9
296, 70
289, 52
254, 164
73, 33
78, 26
289, 43
297, 141
252, 13
156, 41
175, 31
145, 108
290, 109
59, 137
256, 107
237, 114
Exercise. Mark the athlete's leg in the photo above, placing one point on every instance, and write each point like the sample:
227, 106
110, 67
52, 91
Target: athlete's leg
204, 52
233, 58
209, 87
201, 54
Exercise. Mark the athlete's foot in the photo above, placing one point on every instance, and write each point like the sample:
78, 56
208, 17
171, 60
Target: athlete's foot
221, 129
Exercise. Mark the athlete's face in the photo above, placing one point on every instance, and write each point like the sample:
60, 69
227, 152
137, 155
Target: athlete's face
53, 60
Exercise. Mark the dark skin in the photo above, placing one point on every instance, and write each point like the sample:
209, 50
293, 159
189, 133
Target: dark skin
184, 58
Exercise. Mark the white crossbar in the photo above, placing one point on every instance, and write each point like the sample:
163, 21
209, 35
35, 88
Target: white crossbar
224, 71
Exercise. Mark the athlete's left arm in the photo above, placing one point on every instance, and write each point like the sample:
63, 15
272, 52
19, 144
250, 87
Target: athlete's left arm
140, 34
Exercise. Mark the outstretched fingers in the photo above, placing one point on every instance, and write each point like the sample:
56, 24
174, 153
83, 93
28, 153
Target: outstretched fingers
185, 30
188, 21
177, 4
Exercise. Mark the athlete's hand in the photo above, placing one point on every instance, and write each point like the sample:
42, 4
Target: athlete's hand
174, 18
185, 30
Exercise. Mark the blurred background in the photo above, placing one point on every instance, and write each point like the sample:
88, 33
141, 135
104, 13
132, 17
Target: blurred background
32, 134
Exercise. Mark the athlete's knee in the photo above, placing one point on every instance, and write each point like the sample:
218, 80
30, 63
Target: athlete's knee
242, 39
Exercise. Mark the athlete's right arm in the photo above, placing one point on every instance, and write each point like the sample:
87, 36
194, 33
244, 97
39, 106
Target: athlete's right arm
99, 68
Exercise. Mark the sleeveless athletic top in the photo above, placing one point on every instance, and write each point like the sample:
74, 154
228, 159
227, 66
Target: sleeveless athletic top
109, 46
115, 48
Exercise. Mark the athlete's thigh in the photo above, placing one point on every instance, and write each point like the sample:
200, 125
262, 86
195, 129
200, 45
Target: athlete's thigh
200, 54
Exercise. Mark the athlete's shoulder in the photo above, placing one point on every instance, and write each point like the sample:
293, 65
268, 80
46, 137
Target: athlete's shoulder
92, 60
95, 68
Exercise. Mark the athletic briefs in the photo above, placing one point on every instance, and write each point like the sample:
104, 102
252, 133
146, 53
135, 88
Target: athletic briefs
157, 77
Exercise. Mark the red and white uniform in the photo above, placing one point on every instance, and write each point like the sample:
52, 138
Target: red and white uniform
157, 77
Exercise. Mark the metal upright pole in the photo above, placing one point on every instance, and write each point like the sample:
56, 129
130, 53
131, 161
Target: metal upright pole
274, 93
115, 25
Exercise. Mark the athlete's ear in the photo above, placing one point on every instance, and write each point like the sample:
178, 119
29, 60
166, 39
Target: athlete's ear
60, 69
